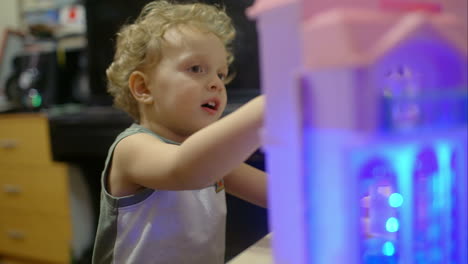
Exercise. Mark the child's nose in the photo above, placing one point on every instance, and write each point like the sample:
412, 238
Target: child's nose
216, 84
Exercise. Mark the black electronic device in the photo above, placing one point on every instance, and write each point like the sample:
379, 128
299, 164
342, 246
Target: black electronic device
42, 79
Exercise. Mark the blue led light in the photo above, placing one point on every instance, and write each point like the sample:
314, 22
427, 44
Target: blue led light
395, 200
392, 225
388, 249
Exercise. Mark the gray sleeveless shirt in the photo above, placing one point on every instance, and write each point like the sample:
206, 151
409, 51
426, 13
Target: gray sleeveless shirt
160, 227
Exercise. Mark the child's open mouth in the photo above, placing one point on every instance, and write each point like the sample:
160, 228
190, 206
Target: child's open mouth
211, 106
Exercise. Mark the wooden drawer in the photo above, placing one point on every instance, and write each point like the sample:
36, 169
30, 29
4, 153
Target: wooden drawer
37, 236
37, 188
24, 138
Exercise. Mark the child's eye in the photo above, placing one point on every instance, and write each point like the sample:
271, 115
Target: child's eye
222, 76
196, 69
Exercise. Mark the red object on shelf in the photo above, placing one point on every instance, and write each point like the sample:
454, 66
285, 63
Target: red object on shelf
72, 13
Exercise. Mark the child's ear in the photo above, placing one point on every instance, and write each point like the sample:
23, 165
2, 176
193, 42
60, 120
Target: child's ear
139, 87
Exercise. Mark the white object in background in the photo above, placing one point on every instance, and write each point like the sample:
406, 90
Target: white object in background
72, 20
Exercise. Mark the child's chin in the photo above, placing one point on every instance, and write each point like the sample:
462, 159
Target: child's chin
207, 123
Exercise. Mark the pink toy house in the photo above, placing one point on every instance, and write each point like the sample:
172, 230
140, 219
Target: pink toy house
366, 128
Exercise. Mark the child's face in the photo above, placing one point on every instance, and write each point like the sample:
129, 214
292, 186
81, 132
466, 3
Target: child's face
187, 84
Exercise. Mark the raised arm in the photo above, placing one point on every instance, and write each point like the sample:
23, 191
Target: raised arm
202, 159
248, 183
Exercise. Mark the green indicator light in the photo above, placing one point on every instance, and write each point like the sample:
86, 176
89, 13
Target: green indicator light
395, 200
36, 100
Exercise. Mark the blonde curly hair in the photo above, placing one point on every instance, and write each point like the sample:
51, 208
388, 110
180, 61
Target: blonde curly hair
145, 36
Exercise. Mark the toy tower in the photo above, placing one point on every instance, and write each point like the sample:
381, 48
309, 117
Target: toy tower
366, 129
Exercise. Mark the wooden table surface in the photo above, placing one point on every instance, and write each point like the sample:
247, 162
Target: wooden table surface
258, 253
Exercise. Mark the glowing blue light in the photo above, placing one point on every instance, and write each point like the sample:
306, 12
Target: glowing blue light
392, 225
443, 185
388, 249
395, 200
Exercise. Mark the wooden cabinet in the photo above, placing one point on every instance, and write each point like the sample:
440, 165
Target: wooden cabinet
35, 222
